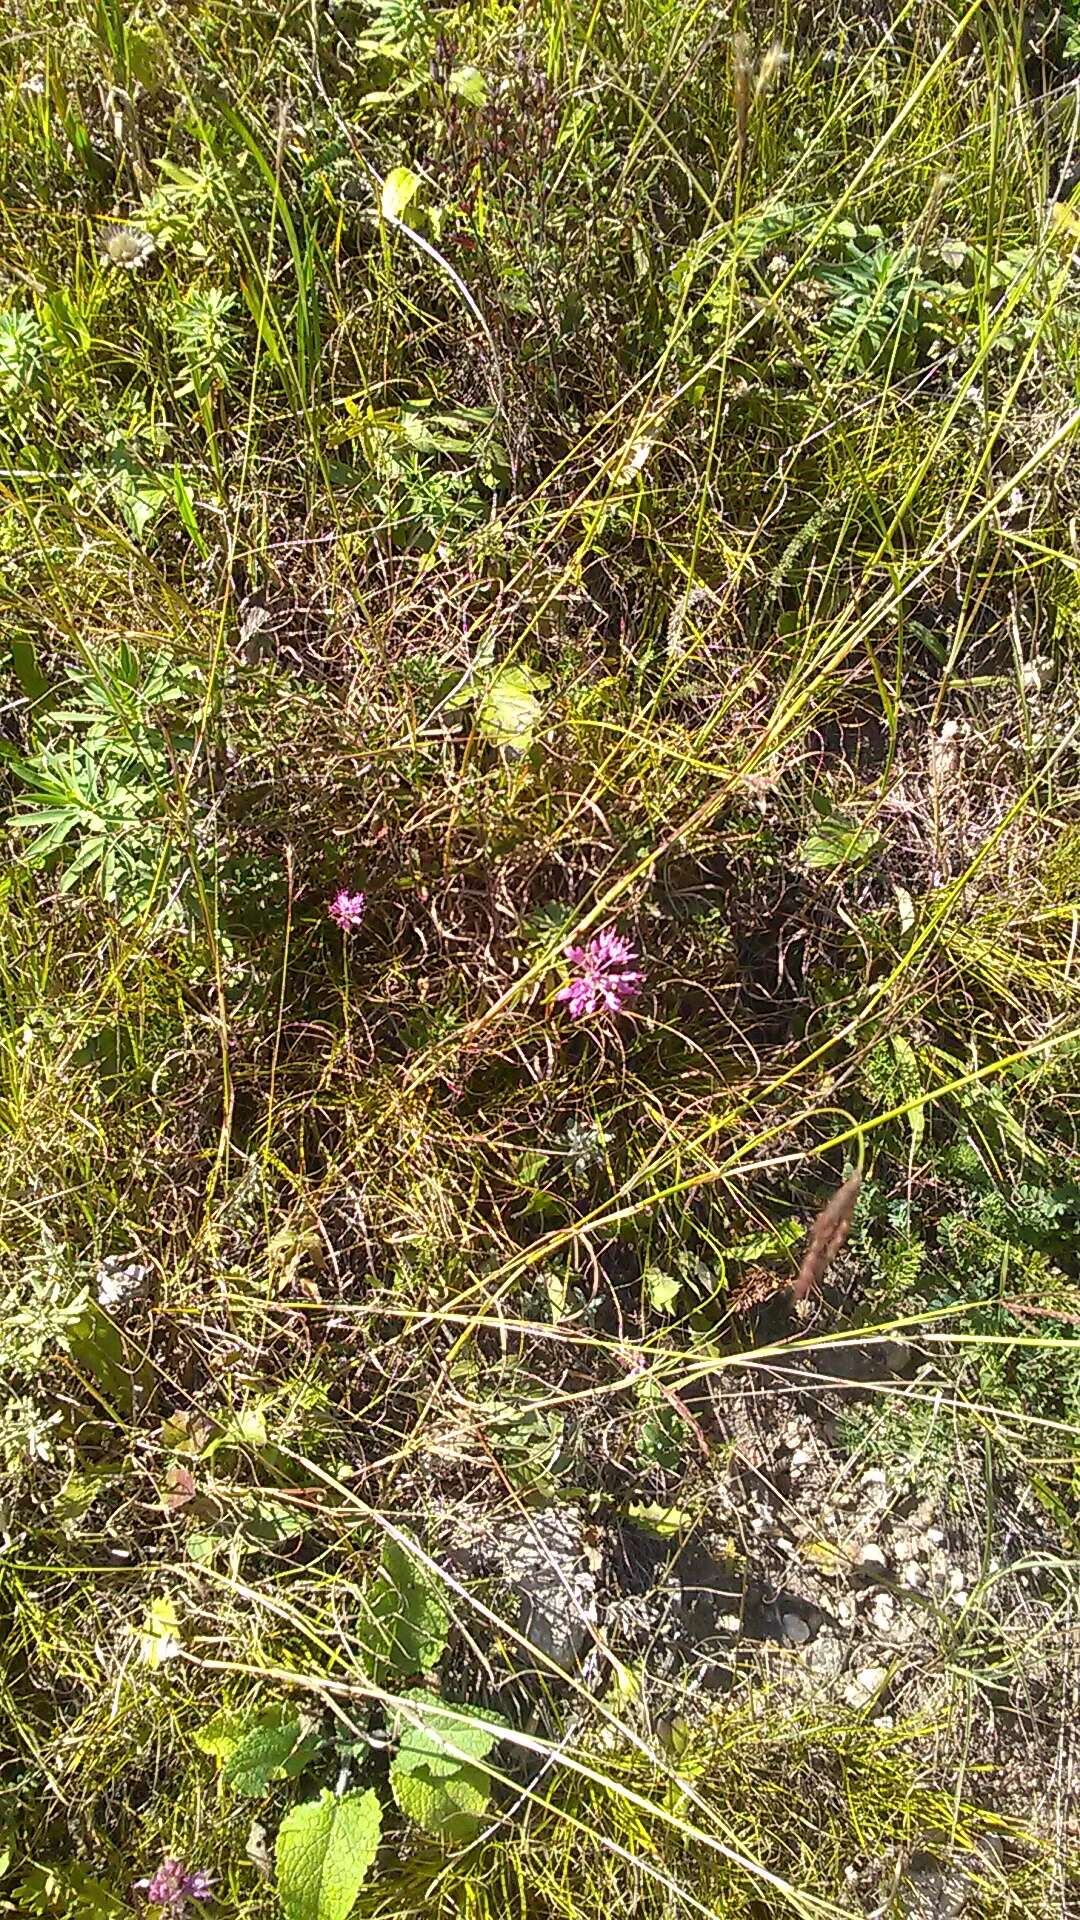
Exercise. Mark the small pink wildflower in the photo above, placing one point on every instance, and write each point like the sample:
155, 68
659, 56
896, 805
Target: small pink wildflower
347, 910
604, 980
172, 1886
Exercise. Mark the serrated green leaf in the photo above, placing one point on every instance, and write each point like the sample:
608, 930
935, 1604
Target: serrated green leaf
435, 1777
258, 1744
323, 1852
509, 709
451, 1809
667, 1522
223, 1734
440, 1739
263, 1751
400, 188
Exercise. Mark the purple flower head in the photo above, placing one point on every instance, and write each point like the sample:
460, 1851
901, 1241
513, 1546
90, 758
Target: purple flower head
172, 1886
347, 910
604, 980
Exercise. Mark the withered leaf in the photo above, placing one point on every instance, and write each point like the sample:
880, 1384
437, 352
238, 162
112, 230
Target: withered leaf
179, 1487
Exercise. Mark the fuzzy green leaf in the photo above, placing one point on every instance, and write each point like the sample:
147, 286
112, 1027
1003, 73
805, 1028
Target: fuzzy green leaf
263, 1752
442, 1739
468, 84
404, 1626
434, 1777
837, 841
400, 188
323, 1853
451, 1809
509, 709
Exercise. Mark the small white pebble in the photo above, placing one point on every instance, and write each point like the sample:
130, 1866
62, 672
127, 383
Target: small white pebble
795, 1629
883, 1612
870, 1559
864, 1685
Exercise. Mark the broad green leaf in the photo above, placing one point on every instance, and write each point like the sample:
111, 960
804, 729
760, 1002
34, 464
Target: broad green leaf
404, 1625
265, 1751
400, 188
667, 1522
509, 709
323, 1852
662, 1438
160, 1637
78, 1493
439, 1738
469, 84
223, 1734
838, 841
202, 1548
264, 1522
663, 1289
451, 1809
435, 1778
24, 660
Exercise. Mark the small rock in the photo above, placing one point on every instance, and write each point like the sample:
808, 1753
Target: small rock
896, 1355
865, 1685
913, 1574
871, 1562
826, 1656
120, 1282
883, 1612
730, 1623
934, 1537
932, 1890
546, 1563
795, 1629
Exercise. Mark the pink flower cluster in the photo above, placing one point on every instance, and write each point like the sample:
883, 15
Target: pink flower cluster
347, 910
172, 1886
605, 980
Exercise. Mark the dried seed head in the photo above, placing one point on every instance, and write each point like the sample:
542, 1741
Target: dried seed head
827, 1236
